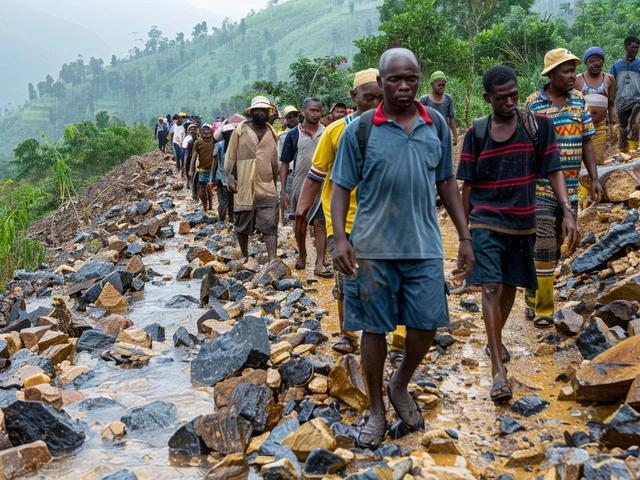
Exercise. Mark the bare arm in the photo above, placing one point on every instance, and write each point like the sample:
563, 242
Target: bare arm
613, 114
466, 199
308, 194
450, 196
589, 159
569, 228
284, 195
344, 256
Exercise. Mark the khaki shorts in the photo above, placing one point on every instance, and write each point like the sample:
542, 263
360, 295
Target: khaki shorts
265, 220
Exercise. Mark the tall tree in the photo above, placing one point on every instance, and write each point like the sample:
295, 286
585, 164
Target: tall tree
33, 95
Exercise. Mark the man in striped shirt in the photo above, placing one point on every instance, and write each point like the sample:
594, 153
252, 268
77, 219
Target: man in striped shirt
499, 166
567, 109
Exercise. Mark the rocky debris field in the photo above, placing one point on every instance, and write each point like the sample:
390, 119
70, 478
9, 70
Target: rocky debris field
147, 348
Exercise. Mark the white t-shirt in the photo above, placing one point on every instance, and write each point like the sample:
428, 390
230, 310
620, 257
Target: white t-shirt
178, 134
185, 142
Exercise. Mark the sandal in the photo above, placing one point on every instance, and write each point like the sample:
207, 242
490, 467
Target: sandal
501, 392
506, 356
543, 321
326, 273
408, 412
396, 357
345, 345
376, 433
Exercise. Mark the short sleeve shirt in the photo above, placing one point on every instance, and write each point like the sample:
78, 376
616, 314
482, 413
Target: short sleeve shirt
205, 154
573, 124
396, 215
503, 175
446, 108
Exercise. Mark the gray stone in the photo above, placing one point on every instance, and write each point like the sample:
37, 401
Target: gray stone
95, 341
124, 474
618, 312
151, 417
529, 405
595, 339
186, 442
92, 270
509, 425
622, 428
182, 301
323, 462
618, 237
250, 402
568, 321
183, 338
296, 372
20, 359
156, 331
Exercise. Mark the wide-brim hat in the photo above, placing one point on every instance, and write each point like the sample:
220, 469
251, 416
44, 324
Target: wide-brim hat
260, 102
557, 57
288, 109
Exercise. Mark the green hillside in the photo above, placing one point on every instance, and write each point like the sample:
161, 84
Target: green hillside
195, 73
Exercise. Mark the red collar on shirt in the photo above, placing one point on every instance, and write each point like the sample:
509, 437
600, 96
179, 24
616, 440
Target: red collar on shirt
379, 117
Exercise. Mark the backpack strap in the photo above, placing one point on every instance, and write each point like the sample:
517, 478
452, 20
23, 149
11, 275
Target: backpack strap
364, 131
480, 126
530, 124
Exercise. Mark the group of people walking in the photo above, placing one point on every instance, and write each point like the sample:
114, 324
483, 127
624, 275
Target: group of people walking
367, 182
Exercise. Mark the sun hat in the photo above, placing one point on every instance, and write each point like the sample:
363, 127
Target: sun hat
161, 119
193, 126
289, 109
556, 57
259, 102
436, 75
370, 75
182, 114
593, 51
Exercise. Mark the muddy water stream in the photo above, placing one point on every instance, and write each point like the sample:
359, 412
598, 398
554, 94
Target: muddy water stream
463, 375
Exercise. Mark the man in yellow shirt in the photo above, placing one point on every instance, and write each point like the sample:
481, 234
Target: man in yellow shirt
367, 95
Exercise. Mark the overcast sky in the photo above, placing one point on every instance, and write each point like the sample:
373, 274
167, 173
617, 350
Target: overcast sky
115, 20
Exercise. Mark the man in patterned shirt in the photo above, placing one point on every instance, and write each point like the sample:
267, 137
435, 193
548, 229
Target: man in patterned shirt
574, 131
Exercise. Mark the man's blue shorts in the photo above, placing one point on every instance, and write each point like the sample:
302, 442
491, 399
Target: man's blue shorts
387, 293
204, 177
503, 258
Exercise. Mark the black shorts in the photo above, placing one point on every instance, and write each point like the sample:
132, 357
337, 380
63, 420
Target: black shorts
503, 258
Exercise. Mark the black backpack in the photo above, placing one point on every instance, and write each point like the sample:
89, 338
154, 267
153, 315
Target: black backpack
366, 122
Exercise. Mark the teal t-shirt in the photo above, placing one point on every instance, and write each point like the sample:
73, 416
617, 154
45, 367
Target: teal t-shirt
396, 216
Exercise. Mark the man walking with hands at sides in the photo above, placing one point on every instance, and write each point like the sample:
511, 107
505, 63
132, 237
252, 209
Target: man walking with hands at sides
441, 101
567, 109
366, 95
299, 146
502, 156
251, 167
396, 260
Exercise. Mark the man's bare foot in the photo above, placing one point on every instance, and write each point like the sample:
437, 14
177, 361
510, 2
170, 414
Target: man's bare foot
373, 433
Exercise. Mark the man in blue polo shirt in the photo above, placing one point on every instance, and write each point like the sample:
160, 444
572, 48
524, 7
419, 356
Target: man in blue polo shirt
395, 260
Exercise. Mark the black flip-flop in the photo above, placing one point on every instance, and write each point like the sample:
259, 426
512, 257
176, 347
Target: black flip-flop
378, 433
326, 273
543, 321
350, 343
506, 356
413, 428
501, 392
396, 357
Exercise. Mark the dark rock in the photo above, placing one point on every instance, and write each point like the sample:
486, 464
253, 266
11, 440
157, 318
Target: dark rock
368, 474
313, 337
224, 432
469, 305
444, 340
198, 218
7, 397
622, 428
183, 338
306, 301
580, 438
216, 312
323, 462
504, 476
27, 422
273, 272
280, 433
567, 321
92, 270
312, 325
186, 442
244, 276
166, 204
279, 452
329, 415
250, 402
618, 312
392, 450
134, 249
219, 293
290, 407
143, 207
398, 430
95, 341
490, 457
296, 372
590, 239
618, 237
156, 331
43, 275
151, 417
529, 405
166, 232
17, 325
124, 474
113, 211
287, 284
137, 284
184, 273
594, 339
604, 467
245, 345
200, 273
509, 426
92, 294
182, 301
4, 349
305, 410
237, 292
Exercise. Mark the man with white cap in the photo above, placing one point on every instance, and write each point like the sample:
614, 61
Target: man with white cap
251, 167
568, 110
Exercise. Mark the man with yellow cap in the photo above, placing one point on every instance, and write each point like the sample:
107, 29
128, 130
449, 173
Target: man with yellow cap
367, 95
574, 128
251, 168
441, 102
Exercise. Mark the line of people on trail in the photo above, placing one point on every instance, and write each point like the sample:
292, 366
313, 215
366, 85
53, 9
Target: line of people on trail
353, 178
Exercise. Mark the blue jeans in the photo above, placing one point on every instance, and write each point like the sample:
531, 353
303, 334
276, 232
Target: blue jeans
178, 152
